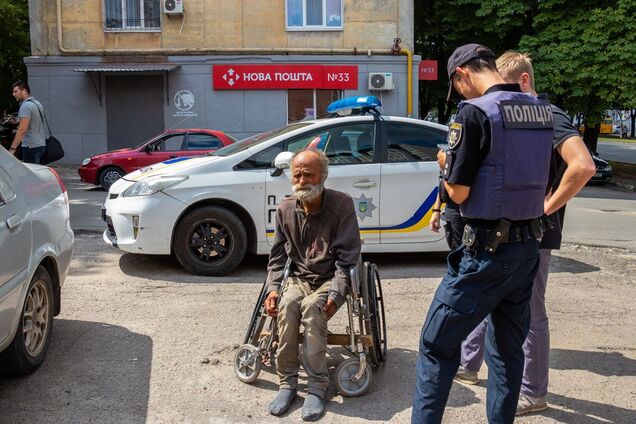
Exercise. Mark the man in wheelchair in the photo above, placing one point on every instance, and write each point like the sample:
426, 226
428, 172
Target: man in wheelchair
317, 230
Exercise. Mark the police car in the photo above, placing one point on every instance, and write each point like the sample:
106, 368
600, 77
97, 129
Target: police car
210, 210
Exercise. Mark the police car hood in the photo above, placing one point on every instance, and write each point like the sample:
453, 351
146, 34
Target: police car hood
177, 166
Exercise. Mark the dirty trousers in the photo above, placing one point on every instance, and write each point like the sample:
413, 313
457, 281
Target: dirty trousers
303, 303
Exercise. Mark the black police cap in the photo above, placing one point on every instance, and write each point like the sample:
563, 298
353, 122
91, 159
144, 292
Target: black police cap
461, 56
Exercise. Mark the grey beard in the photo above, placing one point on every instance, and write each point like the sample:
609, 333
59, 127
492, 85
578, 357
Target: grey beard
308, 192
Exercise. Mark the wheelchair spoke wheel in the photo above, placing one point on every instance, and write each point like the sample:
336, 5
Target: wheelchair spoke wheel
377, 321
247, 364
344, 378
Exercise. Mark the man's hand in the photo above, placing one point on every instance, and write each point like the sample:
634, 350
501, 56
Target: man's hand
270, 303
441, 158
330, 308
435, 222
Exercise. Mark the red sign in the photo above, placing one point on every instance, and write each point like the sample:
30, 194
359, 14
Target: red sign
428, 70
282, 77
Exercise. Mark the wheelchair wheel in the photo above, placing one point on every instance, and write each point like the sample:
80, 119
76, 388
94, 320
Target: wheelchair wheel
344, 378
247, 364
377, 322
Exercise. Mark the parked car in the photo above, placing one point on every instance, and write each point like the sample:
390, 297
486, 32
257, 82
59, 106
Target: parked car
106, 168
210, 210
36, 244
603, 171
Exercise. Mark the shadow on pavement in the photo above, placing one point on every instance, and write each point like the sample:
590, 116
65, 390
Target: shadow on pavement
93, 372
607, 364
253, 269
582, 411
561, 264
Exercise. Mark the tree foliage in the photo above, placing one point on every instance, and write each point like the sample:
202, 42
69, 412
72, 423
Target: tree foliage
584, 51
14, 46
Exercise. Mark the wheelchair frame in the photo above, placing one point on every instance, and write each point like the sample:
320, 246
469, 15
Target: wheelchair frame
365, 336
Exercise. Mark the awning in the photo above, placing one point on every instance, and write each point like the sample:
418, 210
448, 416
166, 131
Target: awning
128, 67
95, 71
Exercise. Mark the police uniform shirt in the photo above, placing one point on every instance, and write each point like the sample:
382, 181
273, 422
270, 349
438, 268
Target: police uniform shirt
473, 144
563, 129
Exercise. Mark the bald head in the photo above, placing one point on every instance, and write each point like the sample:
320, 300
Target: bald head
309, 169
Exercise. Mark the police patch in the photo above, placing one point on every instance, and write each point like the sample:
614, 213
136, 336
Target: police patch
454, 135
524, 114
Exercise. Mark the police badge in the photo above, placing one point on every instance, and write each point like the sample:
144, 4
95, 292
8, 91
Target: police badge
454, 135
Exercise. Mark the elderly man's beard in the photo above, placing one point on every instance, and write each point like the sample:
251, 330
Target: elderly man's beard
308, 192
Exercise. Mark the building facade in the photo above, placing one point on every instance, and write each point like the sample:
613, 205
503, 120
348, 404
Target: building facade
113, 73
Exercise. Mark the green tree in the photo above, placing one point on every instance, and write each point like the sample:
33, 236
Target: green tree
584, 52
443, 25
15, 44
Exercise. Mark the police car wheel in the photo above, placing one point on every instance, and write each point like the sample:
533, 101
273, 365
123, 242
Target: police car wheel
210, 241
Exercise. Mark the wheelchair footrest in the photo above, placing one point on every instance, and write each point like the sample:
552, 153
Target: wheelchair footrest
336, 339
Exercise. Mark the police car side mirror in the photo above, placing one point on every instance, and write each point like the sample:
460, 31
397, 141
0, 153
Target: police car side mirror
281, 162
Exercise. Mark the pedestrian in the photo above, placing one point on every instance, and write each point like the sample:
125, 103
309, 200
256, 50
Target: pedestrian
496, 169
30, 134
317, 229
572, 167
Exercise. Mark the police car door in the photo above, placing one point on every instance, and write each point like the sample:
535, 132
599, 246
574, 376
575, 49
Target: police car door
409, 182
353, 169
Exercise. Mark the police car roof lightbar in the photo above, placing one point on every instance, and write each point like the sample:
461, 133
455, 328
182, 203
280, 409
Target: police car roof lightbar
361, 104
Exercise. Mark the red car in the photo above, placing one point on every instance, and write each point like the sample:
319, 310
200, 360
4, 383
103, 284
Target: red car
106, 168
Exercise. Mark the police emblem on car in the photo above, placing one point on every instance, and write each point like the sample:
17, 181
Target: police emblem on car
454, 134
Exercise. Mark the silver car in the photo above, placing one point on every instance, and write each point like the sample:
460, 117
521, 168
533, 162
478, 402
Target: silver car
36, 243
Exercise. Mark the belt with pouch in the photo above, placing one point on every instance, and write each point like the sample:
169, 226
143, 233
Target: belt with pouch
502, 233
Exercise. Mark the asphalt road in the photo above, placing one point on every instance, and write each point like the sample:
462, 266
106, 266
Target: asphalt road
598, 216
617, 151
139, 340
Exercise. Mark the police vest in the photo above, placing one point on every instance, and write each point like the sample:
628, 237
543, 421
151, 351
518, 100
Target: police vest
511, 181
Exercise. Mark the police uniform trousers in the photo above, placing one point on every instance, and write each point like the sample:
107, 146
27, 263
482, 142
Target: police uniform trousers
302, 303
536, 348
477, 283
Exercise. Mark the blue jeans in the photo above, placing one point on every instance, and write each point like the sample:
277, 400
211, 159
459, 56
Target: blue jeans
477, 283
32, 155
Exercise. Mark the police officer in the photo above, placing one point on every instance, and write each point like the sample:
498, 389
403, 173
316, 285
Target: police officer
497, 171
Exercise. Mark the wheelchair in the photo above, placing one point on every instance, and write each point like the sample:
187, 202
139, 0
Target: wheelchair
365, 336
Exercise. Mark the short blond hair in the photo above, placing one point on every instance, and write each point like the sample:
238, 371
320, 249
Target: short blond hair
512, 64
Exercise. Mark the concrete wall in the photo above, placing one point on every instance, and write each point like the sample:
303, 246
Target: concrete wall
79, 120
209, 24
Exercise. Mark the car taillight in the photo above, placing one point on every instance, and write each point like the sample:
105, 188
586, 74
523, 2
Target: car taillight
64, 192
59, 180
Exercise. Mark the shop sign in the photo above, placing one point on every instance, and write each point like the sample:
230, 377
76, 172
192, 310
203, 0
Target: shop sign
428, 70
283, 77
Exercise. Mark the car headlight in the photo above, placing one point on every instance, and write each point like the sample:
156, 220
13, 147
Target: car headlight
152, 185
86, 161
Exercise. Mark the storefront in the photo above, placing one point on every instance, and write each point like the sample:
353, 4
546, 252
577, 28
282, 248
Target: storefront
96, 104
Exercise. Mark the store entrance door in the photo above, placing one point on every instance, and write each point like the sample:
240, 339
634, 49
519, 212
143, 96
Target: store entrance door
134, 109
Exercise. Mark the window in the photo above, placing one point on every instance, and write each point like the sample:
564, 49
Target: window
169, 144
203, 142
314, 14
410, 143
132, 15
344, 144
302, 103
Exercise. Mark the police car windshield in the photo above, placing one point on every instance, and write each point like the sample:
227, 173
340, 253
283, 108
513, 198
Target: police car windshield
255, 140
